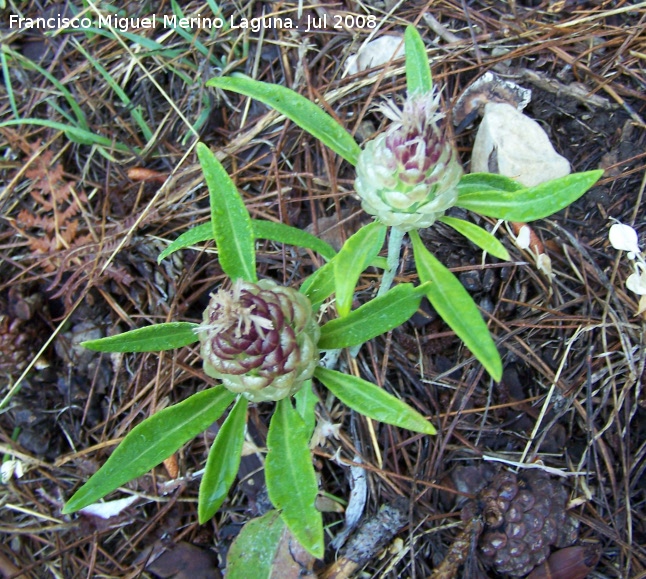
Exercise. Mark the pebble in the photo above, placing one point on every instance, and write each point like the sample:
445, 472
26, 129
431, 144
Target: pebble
511, 144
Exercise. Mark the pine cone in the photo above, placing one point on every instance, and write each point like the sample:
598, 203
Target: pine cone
14, 346
407, 177
260, 340
20, 338
524, 515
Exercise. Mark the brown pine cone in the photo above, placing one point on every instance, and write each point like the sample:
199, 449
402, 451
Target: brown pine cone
14, 346
21, 332
524, 516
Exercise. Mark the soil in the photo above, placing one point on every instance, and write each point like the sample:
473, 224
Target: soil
82, 226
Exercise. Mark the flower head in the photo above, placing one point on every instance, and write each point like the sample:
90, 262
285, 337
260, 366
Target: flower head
407, 177
259, 339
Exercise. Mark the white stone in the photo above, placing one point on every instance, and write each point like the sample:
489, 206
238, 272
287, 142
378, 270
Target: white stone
376, 53
511, 144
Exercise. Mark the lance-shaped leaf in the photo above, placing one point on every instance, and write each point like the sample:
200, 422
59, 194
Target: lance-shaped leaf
197, 234
418, 69
223, 462
456, 307
230, 220
306, 400
372, 401
262, 229
481, 237
355, 255
529, 203
298, 109
373, 318
151, 442
291, 481
289, 235
482, 182
320, 285
153, 338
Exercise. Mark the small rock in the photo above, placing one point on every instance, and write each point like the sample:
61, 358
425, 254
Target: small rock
68, 345
511, 144
375, 53
471, 280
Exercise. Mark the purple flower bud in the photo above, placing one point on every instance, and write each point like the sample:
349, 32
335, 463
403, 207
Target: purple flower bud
407, 177
259, 339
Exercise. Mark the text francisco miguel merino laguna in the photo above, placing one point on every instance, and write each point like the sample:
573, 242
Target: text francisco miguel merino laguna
168, 21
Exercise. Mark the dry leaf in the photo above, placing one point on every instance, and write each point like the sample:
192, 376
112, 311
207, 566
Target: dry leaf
142, 174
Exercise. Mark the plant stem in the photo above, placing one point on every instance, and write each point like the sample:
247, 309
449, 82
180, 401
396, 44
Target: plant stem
392, 264
394, 250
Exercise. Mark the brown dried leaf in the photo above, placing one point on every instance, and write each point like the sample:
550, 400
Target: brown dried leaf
172, 467
291, 560
142, 174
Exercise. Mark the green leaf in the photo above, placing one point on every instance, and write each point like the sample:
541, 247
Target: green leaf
223, 462
418, 69
256, 547
481, 237
456, 307
153, 338
379, 262
306, 400
197, 234
355, 255
262, 230
282, 233
479, 182
373, 318
75, 134
151, 442
372, 401
529, 203
232, 229
376, 317
298, 109
320, 285
291, 481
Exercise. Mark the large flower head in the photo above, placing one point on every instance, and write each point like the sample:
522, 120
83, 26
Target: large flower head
407, 177
259, 339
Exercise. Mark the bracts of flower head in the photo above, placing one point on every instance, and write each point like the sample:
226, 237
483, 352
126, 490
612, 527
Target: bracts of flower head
259, 339
407, 177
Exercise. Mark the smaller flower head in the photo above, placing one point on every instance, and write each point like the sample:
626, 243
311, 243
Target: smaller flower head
407, 177
259, 339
